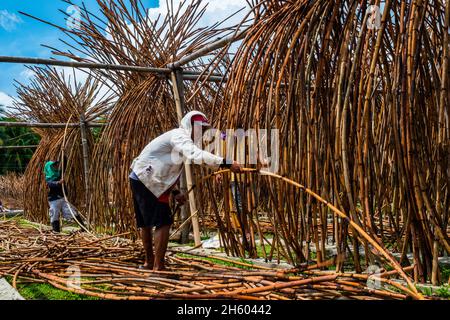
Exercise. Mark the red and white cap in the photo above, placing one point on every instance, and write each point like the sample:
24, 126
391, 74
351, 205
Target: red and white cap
200, 120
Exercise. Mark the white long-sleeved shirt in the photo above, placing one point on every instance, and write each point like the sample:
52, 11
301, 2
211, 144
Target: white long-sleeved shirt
160, 164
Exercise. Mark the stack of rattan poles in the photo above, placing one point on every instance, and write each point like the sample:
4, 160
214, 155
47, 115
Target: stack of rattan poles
362, 110
106, 268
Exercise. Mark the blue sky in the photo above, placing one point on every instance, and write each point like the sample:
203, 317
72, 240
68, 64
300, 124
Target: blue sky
23, 36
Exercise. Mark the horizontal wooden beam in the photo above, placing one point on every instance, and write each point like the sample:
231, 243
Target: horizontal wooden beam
187, 75
17, 147
86, 65
204, 77
49, 125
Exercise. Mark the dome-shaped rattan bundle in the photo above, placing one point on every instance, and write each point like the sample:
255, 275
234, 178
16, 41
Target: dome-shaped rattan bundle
361, 103
56, 96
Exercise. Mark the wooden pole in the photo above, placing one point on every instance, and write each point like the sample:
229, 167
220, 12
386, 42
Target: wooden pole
187, 75
86, 65
85, 148
184, 214
18, 147
203, 77
49, 125
178, 92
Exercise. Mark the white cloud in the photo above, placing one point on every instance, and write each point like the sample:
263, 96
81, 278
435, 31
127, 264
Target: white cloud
8, 20
27, 73
6, 101
233, 11
216, 10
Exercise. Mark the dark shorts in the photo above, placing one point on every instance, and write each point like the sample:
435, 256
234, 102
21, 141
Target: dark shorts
149, 211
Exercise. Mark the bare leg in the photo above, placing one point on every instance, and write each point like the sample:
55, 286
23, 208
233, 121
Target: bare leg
161, 242
146, 234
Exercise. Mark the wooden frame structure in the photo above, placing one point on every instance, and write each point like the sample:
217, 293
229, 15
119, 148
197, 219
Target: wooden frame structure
176, 74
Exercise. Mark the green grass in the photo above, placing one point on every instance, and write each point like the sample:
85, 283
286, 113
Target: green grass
445, 272
332, 268
44, 291
219, 262
427, 291
24, 223
267, 248
441, 292
388, 267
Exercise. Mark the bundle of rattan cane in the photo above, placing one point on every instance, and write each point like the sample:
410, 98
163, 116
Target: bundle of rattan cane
55, 96
361, 102
107, 268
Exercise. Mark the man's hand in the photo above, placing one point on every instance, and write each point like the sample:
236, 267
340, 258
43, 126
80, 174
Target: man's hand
180, 198
235, 167
61, 181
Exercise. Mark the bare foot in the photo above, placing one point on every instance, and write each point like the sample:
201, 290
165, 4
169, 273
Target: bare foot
160, 267
146, 267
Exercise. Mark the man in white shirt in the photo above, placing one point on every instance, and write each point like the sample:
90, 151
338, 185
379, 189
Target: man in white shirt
155, 173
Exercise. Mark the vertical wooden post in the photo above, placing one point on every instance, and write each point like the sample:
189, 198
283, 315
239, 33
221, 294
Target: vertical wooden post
184, 214
435, 263
84, 145
178, 92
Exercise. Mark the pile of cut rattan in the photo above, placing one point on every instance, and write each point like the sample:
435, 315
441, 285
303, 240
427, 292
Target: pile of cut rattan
107, 268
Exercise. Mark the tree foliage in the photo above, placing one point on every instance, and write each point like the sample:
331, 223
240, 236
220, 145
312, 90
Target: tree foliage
15, 160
